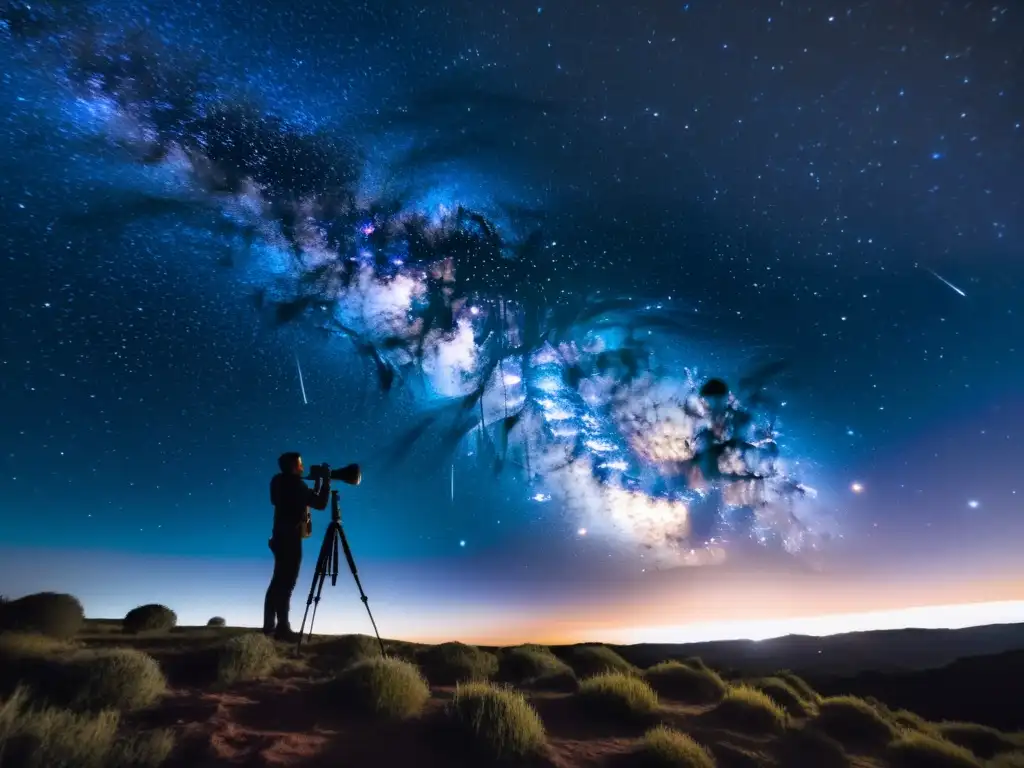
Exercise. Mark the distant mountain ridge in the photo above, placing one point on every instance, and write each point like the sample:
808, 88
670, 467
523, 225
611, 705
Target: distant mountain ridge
840, 655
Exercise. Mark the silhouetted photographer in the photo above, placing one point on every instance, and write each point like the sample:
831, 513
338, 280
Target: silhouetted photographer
292, 500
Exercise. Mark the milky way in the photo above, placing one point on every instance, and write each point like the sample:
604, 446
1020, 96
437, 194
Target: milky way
467, 309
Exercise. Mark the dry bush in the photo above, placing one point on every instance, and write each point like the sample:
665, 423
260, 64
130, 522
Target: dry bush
217, 621
120, 679
51, 614
451, 663
664, 747
785, 695
748, 709
984, 741
149, 618
618, 696
46, 737
246, 657
590, 660
854, 723
382, 686
918, 750
533, 666
496, 723
681, 682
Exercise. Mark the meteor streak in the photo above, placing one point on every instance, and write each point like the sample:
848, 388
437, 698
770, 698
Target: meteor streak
302, 384
940, 277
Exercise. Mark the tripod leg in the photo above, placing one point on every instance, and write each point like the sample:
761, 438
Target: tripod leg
362, 594
323, 566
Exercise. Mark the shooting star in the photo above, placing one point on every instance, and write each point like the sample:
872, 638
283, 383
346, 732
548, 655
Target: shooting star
940, 277
453, 482
302, 384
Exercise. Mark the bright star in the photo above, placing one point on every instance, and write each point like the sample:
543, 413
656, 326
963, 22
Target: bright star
582, 531
857, 487
973, 504
462, 543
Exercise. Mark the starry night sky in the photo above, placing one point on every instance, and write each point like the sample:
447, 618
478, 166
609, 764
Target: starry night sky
838, 186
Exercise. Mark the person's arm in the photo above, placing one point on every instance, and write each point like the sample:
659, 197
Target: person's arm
317, 498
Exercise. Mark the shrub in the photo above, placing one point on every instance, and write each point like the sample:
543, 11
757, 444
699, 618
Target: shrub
664, 747
982, 740
615, 695
497, 723
918, 750
217, 621
451, 663
52, 614
381, 686
535, 667
150, 618
50, 738
246, 657
853, 722
783, 694
590, 660
120, 679
749, 709
680, 682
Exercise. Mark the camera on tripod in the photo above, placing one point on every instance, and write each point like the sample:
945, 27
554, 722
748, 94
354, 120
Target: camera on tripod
350, 474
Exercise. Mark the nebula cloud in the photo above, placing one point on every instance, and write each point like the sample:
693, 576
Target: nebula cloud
507, 359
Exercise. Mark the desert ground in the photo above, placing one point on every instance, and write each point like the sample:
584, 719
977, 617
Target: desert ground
142, 691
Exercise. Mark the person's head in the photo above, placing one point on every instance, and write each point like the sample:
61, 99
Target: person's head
291, 463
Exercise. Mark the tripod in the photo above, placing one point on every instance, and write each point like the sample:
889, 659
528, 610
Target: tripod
326, 563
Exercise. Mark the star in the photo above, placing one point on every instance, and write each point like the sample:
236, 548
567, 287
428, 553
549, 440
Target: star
857, 487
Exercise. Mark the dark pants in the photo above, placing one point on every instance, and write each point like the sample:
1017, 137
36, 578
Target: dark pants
287, 561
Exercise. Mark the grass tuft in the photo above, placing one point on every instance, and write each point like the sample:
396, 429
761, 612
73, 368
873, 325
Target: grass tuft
382, 686
590, 660
682, 682
497, 723
533, 666
854, 723
748, 709
798, 684
451, 663
246, 657
785, 695
119, 678
349, 649
618, 696
47, 737
664, 747
919, 750
984, 741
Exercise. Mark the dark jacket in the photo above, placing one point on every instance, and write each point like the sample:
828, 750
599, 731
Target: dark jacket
292, 499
